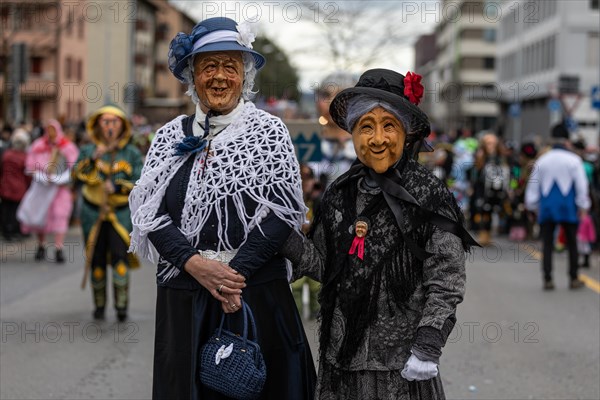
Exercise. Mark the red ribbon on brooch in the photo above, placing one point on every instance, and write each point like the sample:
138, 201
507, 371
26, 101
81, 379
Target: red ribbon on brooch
358, 244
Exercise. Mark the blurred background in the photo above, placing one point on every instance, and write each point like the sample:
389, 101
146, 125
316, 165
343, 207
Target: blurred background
494, 71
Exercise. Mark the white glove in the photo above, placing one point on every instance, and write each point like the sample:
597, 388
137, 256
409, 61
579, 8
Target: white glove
63, 178
40, 177
418, 370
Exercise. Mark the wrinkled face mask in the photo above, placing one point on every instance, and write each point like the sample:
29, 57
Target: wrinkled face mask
218, 78
378, 139
111, 127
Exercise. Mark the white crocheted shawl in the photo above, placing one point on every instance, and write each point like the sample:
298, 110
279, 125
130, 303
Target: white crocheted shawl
252, 157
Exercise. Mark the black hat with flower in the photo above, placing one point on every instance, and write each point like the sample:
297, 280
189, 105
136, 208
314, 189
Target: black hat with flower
401, 92
213, 34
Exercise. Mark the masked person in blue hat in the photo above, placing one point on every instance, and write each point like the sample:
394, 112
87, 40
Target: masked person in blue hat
388, 245
219, 194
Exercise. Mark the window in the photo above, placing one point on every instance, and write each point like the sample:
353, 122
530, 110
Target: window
551, 8
36, 110
162, 32
79, 71
36, 65
552, 51
26, 21
508, 25
141, 25
489, 35
470, 63
544, 54
5, 16
508, 67
489, 63
593, 52
68, 68
594, 4
536, 57
81, 27
471, 34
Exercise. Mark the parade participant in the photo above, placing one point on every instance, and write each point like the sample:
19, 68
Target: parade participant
107, 169
49, 161
558, 192
519, 226
388, 246
13, 183
312, 192
336, 148
220, 192
490, 180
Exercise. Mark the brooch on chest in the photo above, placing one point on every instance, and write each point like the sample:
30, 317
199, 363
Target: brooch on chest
361, 227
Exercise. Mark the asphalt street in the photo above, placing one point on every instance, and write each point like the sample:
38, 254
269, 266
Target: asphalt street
512, 340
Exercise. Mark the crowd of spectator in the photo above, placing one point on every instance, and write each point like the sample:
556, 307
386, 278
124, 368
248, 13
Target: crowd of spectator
488, 176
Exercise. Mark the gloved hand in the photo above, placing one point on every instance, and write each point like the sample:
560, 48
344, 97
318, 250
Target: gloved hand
41, 177
63, 178
418, 370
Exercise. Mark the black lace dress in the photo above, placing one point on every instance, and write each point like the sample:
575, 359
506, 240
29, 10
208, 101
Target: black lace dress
374, 308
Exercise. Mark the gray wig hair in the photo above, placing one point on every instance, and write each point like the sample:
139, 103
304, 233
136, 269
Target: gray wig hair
360, 105
249, 77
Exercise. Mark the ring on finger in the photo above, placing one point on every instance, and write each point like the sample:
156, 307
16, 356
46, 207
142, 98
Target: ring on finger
233, 306
220, 289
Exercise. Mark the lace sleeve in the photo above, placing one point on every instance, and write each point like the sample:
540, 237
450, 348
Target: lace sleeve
307, 256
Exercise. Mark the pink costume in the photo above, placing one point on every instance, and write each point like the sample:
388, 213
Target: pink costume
38, 160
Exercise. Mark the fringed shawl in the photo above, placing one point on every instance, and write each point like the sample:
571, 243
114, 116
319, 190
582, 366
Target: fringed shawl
252, 158
356, 291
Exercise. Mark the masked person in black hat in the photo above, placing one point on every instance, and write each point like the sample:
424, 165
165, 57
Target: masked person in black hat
388, 246
219, 194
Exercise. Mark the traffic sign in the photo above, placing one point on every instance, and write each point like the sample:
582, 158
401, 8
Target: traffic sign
554, 105
595, 97
306, 140
571, 124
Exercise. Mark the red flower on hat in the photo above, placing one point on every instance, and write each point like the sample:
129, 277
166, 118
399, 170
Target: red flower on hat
413, 88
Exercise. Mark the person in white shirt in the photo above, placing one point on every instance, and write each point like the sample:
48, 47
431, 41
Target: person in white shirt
558, 192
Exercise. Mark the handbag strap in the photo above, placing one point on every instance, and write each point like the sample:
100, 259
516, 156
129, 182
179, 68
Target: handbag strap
247, 316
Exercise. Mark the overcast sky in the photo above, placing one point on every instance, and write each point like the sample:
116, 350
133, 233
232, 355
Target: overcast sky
300, 32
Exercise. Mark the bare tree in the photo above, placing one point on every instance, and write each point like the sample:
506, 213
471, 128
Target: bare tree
358, 33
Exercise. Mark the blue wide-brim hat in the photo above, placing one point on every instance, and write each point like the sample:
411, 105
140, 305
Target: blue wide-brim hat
213, 34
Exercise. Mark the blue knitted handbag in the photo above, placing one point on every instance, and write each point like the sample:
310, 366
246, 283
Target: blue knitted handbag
233, 365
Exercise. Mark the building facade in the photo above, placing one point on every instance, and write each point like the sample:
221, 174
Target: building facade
80, 55
425, 65
548, 61
52, 36
463, 73
167, 98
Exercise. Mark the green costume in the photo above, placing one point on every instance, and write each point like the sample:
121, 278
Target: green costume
105, 217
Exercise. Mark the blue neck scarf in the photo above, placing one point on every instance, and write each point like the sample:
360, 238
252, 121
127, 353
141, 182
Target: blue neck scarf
193, 144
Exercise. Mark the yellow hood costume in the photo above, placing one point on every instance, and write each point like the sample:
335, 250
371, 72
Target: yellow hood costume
122, 165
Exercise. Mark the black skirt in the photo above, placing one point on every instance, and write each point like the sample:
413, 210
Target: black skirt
185, 320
